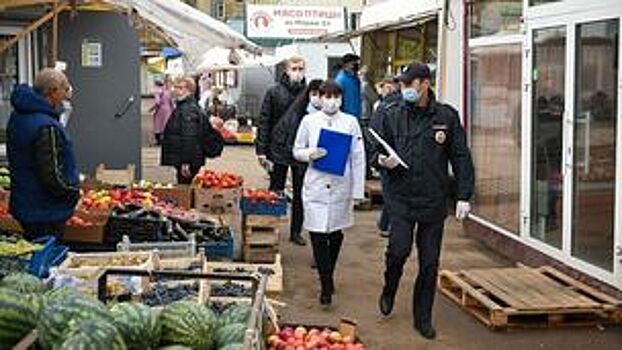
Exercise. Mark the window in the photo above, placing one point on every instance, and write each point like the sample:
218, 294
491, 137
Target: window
496, 132
8, 78
492, 17
540, 2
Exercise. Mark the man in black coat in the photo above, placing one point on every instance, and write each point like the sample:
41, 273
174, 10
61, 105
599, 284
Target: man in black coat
426, 135
183, 138
276, 102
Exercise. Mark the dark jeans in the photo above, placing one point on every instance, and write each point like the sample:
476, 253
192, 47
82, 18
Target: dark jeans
297, 216
32, 231
326, 247
187, 180
278, 177
384, 220
428, 240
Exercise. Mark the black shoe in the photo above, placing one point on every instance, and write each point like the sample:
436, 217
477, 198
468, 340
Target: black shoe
386, 303
325, 299
298, 240
426, 331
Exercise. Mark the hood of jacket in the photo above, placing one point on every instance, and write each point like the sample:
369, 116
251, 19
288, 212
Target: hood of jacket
25, 100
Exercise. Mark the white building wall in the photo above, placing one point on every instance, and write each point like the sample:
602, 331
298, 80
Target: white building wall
451, 56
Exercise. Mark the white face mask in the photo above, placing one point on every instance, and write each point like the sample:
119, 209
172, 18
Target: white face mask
331, 106
295, 76
315, 102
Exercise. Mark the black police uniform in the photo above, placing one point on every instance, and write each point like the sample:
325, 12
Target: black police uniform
426, 139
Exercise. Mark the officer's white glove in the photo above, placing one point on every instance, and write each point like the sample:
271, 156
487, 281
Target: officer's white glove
388, 162
463, 208
317, 153
265, 163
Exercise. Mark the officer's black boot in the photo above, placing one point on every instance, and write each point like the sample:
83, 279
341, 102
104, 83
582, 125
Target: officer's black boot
297, 239
335, 242
386, 301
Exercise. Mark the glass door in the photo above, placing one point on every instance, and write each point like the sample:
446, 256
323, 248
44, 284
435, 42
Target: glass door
595, 135
547, 113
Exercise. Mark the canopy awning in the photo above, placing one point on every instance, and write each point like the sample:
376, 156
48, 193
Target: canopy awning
382, 16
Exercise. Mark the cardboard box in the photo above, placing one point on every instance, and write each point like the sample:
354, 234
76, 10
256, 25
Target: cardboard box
87, 234
122, 177
217, 200
180, 195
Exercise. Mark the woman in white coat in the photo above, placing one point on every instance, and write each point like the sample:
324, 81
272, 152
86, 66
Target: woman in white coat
328, 199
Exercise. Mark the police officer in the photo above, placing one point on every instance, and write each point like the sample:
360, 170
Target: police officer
425, 134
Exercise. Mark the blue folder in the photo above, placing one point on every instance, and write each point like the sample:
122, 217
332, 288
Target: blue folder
338, 146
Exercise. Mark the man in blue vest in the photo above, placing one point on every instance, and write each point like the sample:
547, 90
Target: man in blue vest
350, 84
44, 178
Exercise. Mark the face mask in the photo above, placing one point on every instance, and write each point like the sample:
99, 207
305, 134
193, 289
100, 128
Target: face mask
410, 95
315, 102
295, 76
331, 106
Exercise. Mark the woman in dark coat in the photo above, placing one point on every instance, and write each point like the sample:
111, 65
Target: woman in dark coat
183, 138
284, 134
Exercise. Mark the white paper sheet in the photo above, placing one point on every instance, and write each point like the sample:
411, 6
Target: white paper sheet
388, 148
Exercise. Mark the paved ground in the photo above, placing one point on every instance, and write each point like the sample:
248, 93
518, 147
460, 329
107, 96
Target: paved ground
359, 281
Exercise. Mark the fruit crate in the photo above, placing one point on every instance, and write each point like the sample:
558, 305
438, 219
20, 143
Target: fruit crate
347, 328
252, 207
274, 286
218, 250
179, 195
93, 233
164, 250
122, 177
38, 262
217, 200
139, 229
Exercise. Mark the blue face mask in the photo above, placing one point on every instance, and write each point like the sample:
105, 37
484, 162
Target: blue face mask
410, 95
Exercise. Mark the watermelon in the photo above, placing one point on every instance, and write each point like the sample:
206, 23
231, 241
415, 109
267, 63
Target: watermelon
23, 283
190, 324
18, 316
234, 346
236, 314
92, 334
138, 325
58, 312
230, 334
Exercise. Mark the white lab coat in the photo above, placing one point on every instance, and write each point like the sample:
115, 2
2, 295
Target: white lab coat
328, 200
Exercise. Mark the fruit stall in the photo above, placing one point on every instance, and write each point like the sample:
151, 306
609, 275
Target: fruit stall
145, 265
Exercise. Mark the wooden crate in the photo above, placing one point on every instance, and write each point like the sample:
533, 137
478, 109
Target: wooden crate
261, 244
528, 297
264, 220
122, 177
275, 282
217, 201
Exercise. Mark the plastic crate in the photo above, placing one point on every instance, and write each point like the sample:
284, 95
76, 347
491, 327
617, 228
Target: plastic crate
137, 229
218, 250
39, 263
250, 207
165, 249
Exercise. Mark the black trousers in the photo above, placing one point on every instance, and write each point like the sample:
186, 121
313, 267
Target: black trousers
429, 237
326, 248
187, 180
278, 177
32, 231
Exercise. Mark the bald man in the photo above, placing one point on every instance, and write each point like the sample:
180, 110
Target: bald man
44, 177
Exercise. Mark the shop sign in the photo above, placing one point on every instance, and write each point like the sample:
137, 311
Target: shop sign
292, 22
92, 54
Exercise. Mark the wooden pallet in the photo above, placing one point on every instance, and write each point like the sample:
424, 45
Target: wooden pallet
260, 244
528, 297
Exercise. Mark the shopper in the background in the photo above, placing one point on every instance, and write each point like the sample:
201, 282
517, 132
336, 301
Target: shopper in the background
368, 99
277, 101
44, 177
183, 140
389, 91
350, 84
281, 150
161, 110
328, 199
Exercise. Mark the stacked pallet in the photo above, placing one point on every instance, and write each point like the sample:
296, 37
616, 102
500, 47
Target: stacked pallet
260, 238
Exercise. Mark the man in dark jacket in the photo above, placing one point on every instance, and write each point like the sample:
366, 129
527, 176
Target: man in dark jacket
277, 101
426, 135
44, 178
183, 138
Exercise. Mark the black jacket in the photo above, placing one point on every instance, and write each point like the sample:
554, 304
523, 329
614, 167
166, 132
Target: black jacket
183, 136
281, 147
426, 139
276, 102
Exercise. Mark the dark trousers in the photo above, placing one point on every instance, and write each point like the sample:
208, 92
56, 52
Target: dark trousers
384, 220
326, 247
32, 231
187, 180
158, 138
429, 237
278, 177
297, 215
